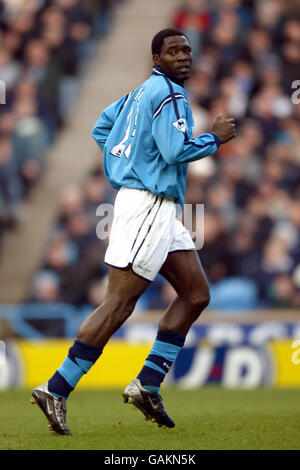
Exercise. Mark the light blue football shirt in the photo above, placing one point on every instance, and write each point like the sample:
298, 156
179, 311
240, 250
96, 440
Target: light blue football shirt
147, 138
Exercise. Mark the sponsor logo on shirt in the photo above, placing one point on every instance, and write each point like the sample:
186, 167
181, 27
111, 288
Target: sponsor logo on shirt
180, 124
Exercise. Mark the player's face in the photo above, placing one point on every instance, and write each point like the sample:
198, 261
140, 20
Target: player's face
175, 58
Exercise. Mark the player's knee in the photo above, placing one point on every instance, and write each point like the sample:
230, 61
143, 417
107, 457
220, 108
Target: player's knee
199, 298
121, 307
198, 302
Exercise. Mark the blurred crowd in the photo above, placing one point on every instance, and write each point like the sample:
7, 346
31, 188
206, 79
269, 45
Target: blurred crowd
44, 46
246, 66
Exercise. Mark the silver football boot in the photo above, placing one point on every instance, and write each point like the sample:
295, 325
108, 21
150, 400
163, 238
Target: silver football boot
53, 408
149, 403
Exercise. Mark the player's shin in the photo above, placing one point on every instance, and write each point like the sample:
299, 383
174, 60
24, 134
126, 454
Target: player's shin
81, 357
162, 355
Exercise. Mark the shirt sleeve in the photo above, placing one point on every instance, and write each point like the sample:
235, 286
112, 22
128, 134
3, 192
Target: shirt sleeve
106, 121
173, 137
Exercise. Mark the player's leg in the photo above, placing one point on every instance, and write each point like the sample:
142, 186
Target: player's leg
182, 268
185, 273
124, 289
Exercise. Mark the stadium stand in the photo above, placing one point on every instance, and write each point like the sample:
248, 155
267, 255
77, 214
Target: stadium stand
44, 46
247, 60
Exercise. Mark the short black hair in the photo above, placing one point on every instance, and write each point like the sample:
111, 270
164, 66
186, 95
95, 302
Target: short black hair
158, 40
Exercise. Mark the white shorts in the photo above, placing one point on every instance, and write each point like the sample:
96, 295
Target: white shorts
144, 230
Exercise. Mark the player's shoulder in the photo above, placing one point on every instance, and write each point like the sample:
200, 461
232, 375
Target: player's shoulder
161, 88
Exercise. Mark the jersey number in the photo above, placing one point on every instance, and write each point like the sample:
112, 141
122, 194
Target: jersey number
125, 145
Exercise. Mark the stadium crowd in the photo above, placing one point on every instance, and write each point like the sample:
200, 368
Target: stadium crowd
246, 65
44, 45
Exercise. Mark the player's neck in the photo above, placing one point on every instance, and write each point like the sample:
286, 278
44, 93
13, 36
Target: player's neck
179, 82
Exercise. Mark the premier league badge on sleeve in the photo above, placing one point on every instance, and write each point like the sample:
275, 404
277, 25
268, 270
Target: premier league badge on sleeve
180, 124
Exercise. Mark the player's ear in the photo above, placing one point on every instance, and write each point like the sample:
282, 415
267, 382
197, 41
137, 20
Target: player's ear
156, 60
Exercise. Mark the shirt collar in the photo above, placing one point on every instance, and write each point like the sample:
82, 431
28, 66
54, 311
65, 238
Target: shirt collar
157, 70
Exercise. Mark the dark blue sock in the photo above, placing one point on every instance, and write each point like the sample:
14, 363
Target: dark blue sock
80, 358
162, 355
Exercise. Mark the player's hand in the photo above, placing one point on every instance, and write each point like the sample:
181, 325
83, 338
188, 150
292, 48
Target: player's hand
224, 129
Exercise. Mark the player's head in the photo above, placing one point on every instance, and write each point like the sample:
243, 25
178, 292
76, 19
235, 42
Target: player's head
172, 51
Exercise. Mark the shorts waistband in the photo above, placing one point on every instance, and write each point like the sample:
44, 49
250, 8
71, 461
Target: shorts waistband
169, 198
165, 196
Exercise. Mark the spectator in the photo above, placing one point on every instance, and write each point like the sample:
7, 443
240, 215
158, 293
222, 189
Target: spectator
10, 185
46, 287
9, 69
29, 140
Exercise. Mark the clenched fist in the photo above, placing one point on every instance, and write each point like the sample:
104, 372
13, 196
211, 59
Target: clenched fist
224, 129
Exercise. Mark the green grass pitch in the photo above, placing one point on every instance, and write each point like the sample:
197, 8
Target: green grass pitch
209, 418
